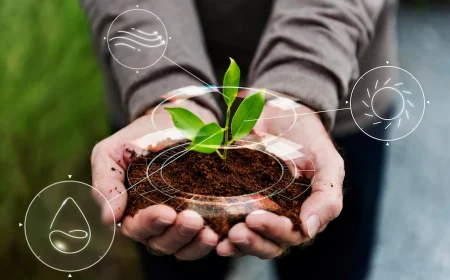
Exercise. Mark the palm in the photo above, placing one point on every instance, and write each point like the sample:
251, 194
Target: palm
267, 235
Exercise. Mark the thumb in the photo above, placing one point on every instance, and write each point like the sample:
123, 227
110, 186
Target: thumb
108, 174
325, 202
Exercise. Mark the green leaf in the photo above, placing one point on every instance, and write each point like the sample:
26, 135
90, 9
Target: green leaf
208, 139
231, 79
186, 122
247, 115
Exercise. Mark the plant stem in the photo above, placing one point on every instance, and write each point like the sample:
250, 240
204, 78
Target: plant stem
226, 143
220, 155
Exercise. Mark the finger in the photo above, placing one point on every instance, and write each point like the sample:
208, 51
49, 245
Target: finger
276, 228
107, 177
251, 243
187, 225
226, 249
325, 202
201, 246
151, 221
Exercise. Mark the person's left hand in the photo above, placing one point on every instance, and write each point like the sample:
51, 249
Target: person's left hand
267, 235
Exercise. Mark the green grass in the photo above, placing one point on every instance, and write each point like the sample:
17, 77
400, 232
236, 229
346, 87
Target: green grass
52, 113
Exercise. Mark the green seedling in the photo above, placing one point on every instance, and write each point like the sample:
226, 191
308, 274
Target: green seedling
207, 138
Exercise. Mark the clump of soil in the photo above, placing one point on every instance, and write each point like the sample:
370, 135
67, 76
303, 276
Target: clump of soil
201, 181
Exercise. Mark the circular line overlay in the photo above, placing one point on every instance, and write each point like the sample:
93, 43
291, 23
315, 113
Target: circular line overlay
387, 103
63, 226
276, 107
162, 192
134, 46
290, 156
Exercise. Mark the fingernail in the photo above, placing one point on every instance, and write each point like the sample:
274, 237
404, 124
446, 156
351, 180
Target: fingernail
241, 242
259, 212
313, 225
204, 245
187, 231
163, 222
230, 254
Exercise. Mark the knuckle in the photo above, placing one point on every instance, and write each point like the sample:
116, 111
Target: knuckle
159, 249
296, 240
97, 148
183, 257
273, 254
129, 234
335, 207
253, 240
340, 165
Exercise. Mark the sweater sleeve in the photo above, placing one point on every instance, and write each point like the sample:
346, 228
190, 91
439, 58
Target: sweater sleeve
310, 50
140, 91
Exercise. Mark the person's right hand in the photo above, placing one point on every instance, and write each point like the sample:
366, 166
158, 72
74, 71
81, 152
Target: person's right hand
158, 227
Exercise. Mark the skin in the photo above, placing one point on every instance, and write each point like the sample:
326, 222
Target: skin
158, 227
267, 235
263, 234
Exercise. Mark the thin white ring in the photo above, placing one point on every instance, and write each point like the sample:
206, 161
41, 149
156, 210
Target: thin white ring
165, 47
25, 227
401, 111
421, 117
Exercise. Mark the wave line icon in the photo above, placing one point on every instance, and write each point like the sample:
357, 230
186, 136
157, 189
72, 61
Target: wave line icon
74, 234
133, 40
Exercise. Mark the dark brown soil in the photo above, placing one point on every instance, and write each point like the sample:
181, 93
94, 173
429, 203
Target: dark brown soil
245, 174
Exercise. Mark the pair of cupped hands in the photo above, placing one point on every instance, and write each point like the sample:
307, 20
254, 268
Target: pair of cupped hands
263, 234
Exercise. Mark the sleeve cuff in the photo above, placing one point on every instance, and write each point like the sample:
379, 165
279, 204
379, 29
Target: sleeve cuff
310, 84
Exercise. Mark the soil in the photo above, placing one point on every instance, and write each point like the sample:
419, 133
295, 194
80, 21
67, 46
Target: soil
250, 177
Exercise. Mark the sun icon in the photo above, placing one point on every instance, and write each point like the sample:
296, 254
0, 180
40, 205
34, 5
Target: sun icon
388, 90
388, 97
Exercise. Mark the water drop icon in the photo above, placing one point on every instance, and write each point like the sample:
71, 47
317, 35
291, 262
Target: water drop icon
74, 240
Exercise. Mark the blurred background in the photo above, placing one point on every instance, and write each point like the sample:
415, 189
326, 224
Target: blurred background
52, 112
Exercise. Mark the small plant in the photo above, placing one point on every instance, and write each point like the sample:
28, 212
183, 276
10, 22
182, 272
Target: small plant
207, 138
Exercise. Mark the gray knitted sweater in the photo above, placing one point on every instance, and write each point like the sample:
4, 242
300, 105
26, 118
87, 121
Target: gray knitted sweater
311, 49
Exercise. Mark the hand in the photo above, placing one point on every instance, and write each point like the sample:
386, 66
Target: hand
158, 227
267, 235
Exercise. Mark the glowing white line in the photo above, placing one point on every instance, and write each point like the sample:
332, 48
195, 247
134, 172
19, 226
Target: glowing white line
376, 84
72, 236
132, 28
407, 115
399, 84
387, 81
148, 34
376, 123
137, 36
76, 230
410, 103
147, 192
147, 46
215, 89
388, 125
408, 92
399, 121
285, 116
123, 44
368, 93
365, 103
368, 115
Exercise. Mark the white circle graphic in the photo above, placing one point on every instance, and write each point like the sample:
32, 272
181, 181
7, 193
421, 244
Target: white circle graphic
54, 234
390, 90
373, 106
136, 47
